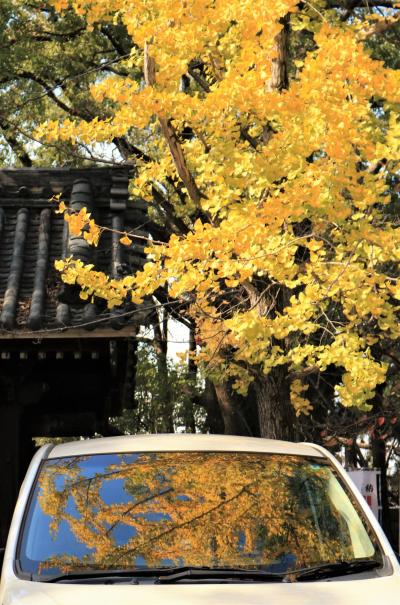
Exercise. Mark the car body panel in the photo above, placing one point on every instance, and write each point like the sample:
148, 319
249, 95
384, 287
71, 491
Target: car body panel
174, 442
301, 593
348, 590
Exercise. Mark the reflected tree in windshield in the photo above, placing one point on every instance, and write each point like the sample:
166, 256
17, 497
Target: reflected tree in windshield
169, 509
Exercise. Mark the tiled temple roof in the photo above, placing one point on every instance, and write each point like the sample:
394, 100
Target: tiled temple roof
32, 237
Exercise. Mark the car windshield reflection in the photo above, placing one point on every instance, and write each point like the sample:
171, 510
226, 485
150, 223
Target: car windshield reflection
269, 512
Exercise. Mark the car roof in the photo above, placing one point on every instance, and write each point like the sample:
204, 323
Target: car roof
180, 442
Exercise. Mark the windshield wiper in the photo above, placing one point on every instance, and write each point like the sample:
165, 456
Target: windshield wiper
330, 570
160, 575
171, 575
113, 575
218, 573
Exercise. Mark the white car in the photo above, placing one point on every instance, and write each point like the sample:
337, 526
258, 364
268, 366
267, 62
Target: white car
193, 519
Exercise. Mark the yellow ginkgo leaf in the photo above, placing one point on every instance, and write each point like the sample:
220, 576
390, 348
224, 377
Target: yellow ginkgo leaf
61, 208
125, 240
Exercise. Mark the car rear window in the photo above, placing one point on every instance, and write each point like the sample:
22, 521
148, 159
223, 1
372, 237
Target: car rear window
172, 509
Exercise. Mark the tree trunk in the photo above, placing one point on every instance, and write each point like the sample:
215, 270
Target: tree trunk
230, 408
379, 462
276, 414
192, 374
166, 421
378, 446
279, 73
209, 401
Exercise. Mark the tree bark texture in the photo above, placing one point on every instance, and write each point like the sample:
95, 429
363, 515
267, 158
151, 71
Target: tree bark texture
379, 462
209, 401
277, 418
378, 446
231, 412
279, 73
276, 415
161, 348
190, 420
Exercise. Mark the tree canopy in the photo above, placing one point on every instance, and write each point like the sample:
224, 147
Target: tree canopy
48, 61
266, 140
277, 163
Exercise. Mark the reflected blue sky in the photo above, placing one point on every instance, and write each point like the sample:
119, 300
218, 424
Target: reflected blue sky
113, 492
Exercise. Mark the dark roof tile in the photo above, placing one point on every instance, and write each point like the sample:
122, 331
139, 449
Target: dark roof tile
32, 237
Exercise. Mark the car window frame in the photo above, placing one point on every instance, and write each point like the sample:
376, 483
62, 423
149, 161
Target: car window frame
321, 460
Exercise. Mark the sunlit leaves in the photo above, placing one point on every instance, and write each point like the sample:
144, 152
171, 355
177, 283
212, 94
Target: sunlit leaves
284, 254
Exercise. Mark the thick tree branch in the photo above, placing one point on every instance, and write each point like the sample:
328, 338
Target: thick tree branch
244, 134
279, 74
176, 224
162, 296
302, 373
51, 94
45, 36
350, 5
179, 160
116, 44
128, 149
15, 145
200, 81
171, 137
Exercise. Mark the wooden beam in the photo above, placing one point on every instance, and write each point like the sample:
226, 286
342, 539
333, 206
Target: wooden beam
63, 425
9, 465
65, 334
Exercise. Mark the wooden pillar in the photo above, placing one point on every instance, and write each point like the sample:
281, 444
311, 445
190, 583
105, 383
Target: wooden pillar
9, 464
16, 446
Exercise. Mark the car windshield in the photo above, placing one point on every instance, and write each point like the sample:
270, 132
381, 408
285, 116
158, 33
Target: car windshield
269, 512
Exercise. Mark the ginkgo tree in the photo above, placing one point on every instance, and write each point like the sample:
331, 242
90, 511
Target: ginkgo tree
277, 166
